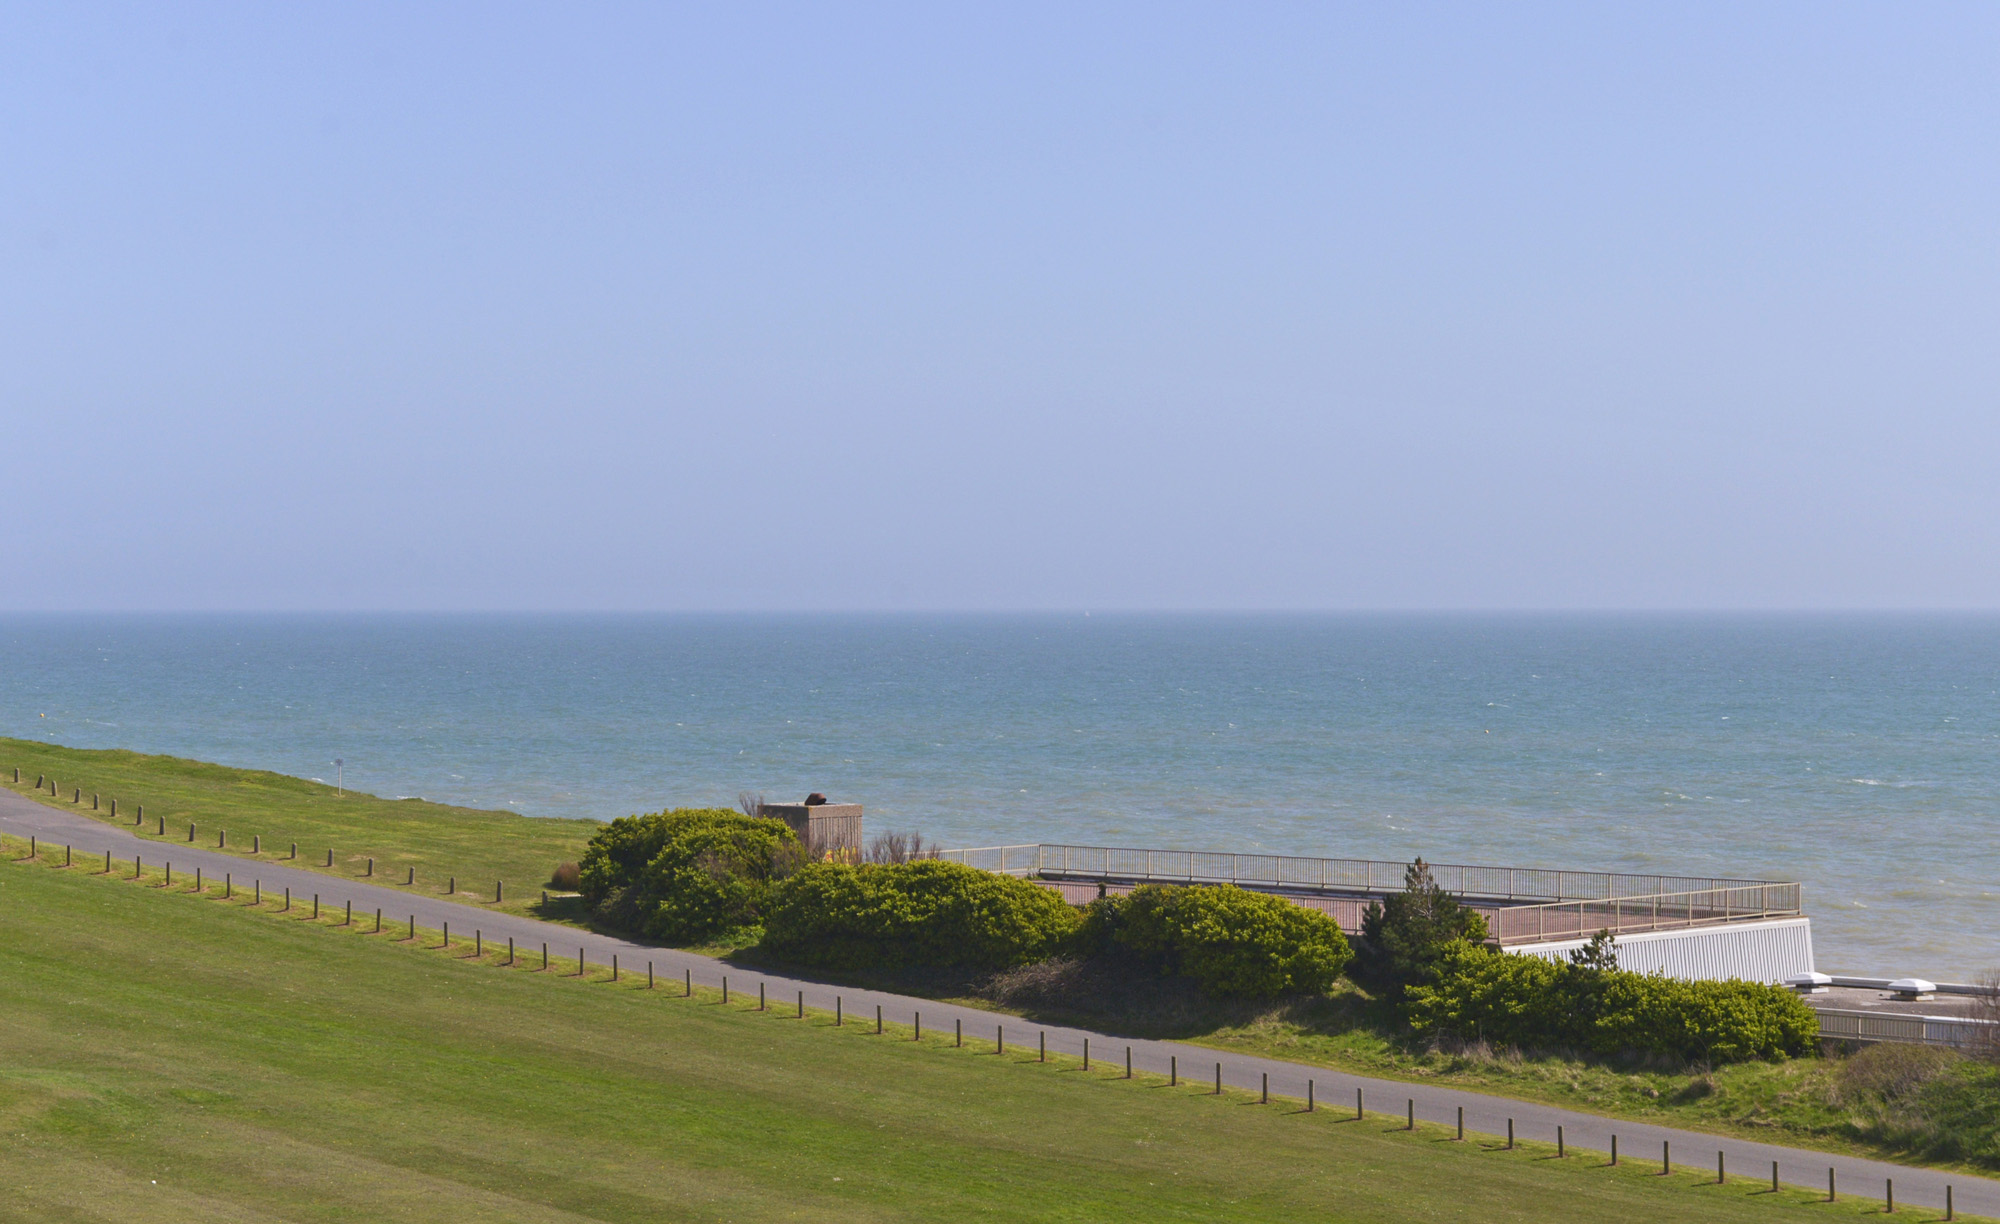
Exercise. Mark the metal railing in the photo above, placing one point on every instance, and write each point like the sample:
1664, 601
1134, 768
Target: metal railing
1273, 871
1957, 1032
1519, 924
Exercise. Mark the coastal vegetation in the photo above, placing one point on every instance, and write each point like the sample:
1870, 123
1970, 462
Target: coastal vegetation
1373, 1017
178, 1056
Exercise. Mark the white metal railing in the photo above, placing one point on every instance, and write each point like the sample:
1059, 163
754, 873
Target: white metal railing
1513, 884
1517, 924
1958, 1032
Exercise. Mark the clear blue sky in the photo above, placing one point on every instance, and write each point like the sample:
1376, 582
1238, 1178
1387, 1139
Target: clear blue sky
435, 306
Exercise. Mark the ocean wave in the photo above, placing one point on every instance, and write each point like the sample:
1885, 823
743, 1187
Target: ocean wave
1890, 785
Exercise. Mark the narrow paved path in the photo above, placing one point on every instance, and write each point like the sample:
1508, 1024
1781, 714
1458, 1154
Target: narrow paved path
1485, 1116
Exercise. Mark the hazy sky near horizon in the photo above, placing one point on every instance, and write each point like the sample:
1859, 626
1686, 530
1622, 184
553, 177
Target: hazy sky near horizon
935, 306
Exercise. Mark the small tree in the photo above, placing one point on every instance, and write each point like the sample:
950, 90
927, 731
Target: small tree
1410, 933
1598, 954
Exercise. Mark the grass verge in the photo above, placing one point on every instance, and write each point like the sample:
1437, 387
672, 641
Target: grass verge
443, 845
176, 1056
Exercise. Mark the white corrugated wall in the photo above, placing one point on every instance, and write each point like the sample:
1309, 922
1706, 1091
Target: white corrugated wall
1768, 951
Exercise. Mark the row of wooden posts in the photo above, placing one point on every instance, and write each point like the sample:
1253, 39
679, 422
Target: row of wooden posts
958, 1032
43, 782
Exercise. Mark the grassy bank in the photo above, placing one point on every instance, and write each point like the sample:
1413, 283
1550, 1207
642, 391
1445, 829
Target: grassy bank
437, 841
170, 1056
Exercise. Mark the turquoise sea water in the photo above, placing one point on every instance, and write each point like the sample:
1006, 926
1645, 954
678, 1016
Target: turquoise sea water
1860, 755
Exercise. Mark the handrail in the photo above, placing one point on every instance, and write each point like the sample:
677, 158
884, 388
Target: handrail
1511, 884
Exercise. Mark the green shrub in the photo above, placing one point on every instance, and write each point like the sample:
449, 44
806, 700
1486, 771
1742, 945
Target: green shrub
1406, 935
921, 914
1231, 942
685, 875
1535, 1003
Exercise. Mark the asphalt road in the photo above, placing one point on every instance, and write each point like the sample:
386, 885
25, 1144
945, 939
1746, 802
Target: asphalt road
1486, 1117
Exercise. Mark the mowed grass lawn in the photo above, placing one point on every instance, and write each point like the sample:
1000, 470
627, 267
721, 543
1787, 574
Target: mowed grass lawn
167, 1056
437, 840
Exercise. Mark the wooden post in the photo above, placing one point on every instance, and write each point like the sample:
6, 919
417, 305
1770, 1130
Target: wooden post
222, 839
447, 936
329, 857
371, 868
878, 1019
295, 849
1560, 1153
1041, 1046
958, 1034
1086, 1053
93, 801
839, 1017
451, 889
1889, 1197
687, 984
315, 907
228, 887
1829, 1184
1357, 1104
288, 899
66, 862
1948, 1214
510, 949
1461, 1124
760, 996
1264, 1094
1510, 1134
190, 832
1128, 1062
999, 1039
1614, 1150
1218, 1079
916, 1026
349, 920
1721, 1178
413, 877
378, 920
1774, 1177
498, 890
478, 943
256, 843
802, 1005
614, 964
579, 962
114, 806
1309, 1096
545, 957
1666, 1157
1173, 1070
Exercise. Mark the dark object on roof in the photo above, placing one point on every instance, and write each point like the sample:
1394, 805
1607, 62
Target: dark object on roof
815, 799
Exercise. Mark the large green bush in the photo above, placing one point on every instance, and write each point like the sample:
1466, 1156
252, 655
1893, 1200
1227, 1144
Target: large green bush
1406, 935
686, 875
922, 914
1231, 942
1530, 1002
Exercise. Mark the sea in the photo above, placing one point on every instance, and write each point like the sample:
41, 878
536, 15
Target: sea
1859, 755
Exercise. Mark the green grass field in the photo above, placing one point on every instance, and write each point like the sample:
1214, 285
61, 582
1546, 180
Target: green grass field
438, 841
169, 1056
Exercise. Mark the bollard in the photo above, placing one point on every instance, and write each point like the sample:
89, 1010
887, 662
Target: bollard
378, 920
256, 843
545, 957
1829, 1184
760, 996
93, 801
329, 858
349, 920
999, 1040
315, 907
78, 797
1218, 1079
451, 889
135, 866
1410, 1122
170, 875
1666, 1158
190, 832
295, 849
614, 965
1889, 1198
579, 962
725, 988
1128, 1062
1309, 1096
958, 1034
1461, 1124
197, 871
413, 927
916, 1026
1041, 1047
510, 949
878, 1019
114, 806
288, 898
1173, 1070
107, 862
371, 868
413, 879
1264, 1093
222, 839
687, 984
839, 1017
228, 887
1357, 1104
1559, 1143
163, 827
1086, 1053
1774, 1177
1721, 1178
478, 944
1614, 1151
1510, 1134
1947, 1202
497, 891
802, 1005
34, 847
197, 879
